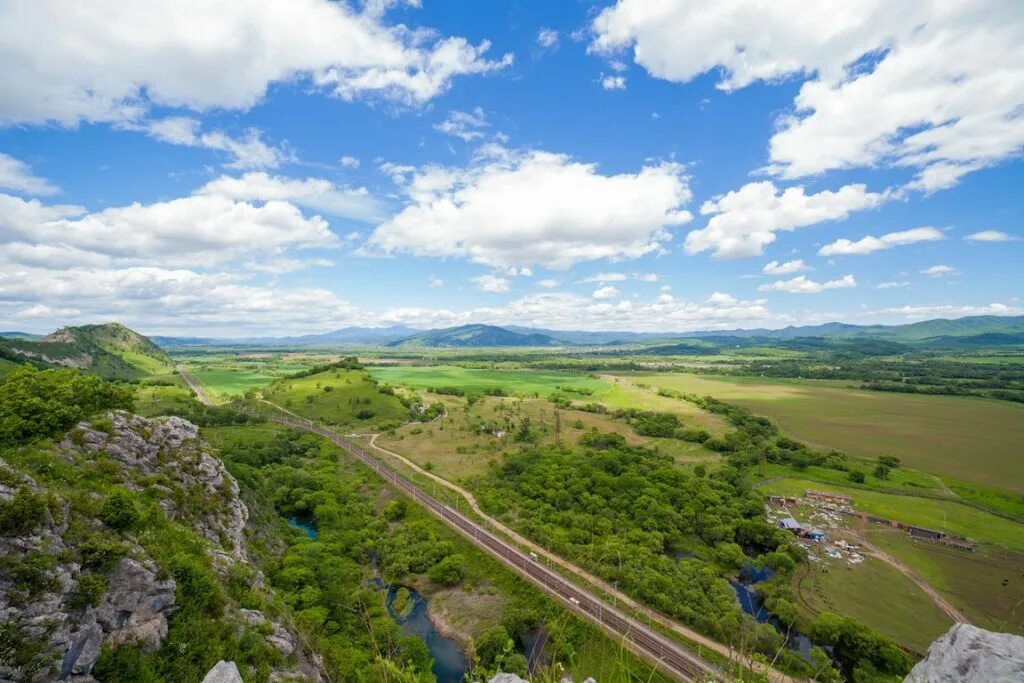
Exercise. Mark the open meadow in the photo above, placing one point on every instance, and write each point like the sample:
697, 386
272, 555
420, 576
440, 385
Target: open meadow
906, 614
970, 439
987, 585
461, 444
230, 375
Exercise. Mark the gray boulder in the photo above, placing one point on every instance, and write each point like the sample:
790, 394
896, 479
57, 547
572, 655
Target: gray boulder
507, 678
967, 653
223, 672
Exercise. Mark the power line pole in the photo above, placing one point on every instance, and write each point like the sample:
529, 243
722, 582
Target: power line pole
558, 427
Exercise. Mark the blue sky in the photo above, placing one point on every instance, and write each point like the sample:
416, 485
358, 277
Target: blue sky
291, 167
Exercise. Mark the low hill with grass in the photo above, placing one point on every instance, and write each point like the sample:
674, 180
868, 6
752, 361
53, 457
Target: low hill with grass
111, 350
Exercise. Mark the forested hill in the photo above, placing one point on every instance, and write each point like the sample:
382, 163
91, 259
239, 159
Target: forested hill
476, 335
111, 350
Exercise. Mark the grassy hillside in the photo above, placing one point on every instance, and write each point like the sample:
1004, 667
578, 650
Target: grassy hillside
338, 396
111, 350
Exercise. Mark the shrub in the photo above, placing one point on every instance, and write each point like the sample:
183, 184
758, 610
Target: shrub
856, 477
119, 511
449, 571
395, 510
22, 513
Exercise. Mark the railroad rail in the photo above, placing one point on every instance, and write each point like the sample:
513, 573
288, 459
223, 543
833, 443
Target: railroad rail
669, 656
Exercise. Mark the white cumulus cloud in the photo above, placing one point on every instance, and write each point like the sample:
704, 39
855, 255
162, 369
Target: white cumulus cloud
870, 244
491, 283
315, 193
108, 60
607, 292
787, 268
940, 270
17, 176
802, 285
990, 236
535, 208
746, 220
932, 85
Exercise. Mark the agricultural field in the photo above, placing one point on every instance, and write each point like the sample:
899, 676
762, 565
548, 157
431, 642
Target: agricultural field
941, 515
906, 614
987, 585
969, 439
226, 376
339, 397
461, 444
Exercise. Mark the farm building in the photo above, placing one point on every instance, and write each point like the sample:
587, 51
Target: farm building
828, 496
790, 524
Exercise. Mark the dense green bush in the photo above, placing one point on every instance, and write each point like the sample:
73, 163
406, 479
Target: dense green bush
449, 571
41, 403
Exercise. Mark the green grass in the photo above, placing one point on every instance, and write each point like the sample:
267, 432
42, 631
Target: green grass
476, 381
941, 515
145, 363
7, 366
969, 439
897, 608
973, 582
901, 479
338, 397
227, 381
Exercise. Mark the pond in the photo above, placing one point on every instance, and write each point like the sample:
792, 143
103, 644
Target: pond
305, 522
450, 664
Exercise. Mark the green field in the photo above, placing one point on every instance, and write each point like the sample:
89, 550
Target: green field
970, 439
230, 381
339, 397
227, 375
475, 381
906, 614
987, 586
941, 515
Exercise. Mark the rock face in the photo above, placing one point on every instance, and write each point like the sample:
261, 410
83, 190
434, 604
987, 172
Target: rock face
967, 653
167, 458
172, 447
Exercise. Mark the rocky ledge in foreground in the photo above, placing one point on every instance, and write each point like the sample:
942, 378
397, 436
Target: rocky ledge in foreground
967, 653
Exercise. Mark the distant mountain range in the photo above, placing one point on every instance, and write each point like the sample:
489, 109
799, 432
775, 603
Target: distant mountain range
476, 336
986, 330
111, 350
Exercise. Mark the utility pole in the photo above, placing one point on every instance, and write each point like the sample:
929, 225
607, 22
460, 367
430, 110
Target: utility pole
558, 427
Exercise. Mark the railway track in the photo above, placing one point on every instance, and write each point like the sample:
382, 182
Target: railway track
669, 656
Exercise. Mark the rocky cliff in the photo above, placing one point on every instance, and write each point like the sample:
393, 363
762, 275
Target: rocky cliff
83, 564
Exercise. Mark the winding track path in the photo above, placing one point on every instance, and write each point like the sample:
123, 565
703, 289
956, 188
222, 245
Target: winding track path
673, 657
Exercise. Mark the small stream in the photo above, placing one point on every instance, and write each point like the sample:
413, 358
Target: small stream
450, 665
752, 604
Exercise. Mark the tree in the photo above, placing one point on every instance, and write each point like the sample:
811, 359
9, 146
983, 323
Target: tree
882, 471
42, 403
856, 477
448, 572
889, 461
395, 510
